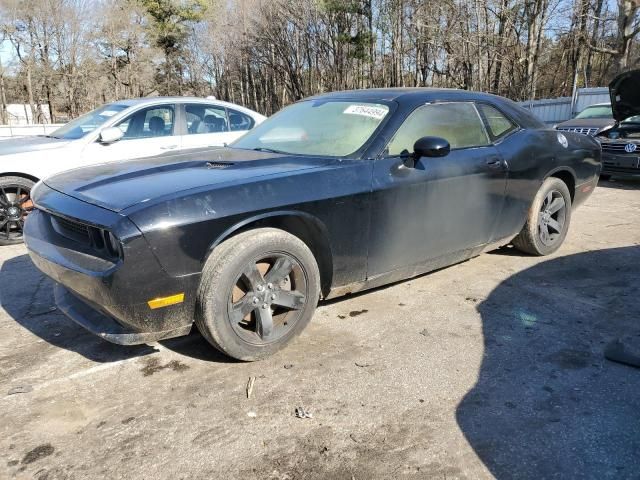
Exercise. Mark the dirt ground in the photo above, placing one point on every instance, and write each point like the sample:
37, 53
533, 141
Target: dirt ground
490, 368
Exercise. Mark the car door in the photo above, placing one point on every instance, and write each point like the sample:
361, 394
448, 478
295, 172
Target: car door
439, 207
207, 126
147, 132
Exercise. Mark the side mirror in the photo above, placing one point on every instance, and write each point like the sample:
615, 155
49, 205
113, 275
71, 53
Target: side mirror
431, 147
110, 135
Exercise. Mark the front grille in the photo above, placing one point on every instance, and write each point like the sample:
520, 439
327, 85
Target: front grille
582, 130
93, 238
72, 230
619, 148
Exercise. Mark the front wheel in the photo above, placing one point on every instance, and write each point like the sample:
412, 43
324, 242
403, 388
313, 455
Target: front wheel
259, 290
15, 205
547, 221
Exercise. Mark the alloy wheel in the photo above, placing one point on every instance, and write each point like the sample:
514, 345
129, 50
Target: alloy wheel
268, 299
15, 205
552, 217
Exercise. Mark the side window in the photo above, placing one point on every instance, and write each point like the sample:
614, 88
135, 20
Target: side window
239, 121
498, 124
203, 118
156, 121
458, 123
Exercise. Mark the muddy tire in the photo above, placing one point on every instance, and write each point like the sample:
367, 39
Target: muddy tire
259, 290
547, 221
15, 205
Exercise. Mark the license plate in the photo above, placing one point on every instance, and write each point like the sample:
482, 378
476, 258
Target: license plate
625, 162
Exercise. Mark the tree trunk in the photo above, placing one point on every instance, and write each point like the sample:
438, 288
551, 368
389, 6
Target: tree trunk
29, 87
4, 118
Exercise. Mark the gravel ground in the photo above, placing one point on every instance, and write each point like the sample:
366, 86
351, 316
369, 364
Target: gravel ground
490, 368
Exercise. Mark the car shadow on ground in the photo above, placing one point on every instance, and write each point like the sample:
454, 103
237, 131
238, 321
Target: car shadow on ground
27, 296
546, 403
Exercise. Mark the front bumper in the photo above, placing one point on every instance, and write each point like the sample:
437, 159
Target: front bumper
104, 326
108, 297
627, 165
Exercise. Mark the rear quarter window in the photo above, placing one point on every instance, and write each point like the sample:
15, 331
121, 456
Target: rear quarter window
239, 121
498, 124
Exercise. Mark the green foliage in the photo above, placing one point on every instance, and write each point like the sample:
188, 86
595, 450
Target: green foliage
345, 6
170, 19
351, 16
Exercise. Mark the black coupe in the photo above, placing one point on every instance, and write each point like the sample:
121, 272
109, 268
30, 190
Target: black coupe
334, 194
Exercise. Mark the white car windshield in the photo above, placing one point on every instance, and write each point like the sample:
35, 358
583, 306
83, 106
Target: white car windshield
87, 123
317, 127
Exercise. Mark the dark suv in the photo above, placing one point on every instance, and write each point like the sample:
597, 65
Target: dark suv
590, 120
621, 142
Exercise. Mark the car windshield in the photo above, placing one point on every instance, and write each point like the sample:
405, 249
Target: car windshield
87, 123
596, 111
317, 127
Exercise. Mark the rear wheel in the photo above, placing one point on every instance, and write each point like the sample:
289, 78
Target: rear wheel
15, 205
548, 219
259, 290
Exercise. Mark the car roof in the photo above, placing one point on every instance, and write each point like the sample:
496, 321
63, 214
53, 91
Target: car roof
605, 104
414, 96
134, 102
399, 93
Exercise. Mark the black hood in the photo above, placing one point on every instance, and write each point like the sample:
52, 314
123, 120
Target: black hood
118, 185
586, 123
624, 91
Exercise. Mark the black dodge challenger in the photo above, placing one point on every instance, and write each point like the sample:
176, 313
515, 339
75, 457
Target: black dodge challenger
334, 194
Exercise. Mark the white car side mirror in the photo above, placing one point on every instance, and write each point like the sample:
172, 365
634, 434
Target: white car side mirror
110, 135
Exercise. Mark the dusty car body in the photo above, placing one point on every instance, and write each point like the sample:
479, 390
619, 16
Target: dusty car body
118, 237
621, 142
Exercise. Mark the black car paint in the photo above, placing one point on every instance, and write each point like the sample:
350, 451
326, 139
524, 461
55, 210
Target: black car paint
369, 220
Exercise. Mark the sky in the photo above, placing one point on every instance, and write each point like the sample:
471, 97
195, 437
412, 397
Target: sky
6, 53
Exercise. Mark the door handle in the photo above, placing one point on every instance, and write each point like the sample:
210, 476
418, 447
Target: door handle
169, 147
494, 162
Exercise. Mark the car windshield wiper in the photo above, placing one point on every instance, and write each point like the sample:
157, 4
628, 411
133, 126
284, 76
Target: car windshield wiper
270, 150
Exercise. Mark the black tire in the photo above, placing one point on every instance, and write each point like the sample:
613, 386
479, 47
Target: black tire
235, 306
15, 205
605, 176
546, 228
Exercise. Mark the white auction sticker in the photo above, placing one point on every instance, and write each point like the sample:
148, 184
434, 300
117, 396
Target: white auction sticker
374, 111
108, 113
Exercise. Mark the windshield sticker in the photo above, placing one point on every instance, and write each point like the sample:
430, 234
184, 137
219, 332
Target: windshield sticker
108, 113
367, 111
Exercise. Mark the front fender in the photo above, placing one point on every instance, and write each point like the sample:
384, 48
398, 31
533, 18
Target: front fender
267, 219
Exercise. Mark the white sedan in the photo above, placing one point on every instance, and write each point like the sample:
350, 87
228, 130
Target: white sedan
121, 130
